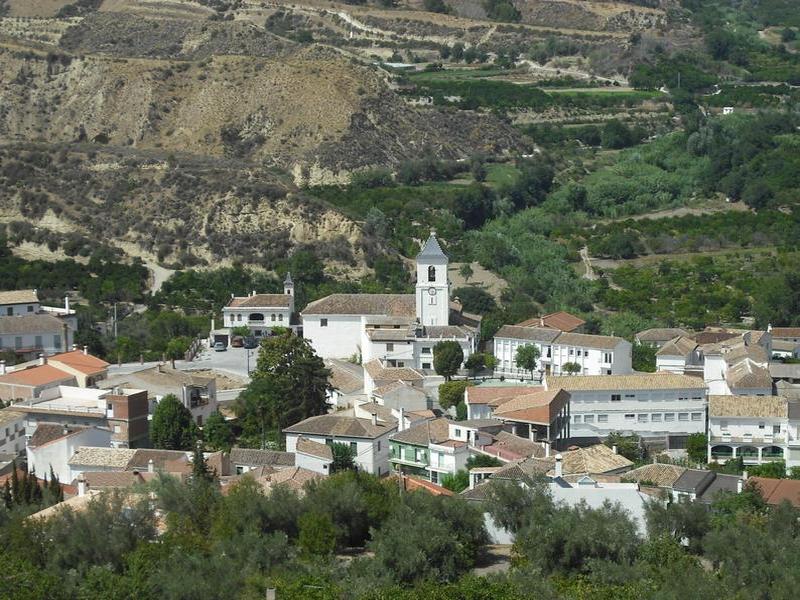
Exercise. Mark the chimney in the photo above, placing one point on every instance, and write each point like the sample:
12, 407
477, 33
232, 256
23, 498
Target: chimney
401, 422
2, 367
66, 303
81, 485
150, 466
559, 466
740, 485
42, 359
374, 419
614, 449
86, 349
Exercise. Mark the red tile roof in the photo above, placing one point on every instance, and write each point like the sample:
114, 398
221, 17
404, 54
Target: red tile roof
496, 395
35, 376
563, 321
775, 491
85, 363
415, 483
541, 407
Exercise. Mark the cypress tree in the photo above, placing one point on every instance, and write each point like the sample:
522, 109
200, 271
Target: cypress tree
15, 490
7, 499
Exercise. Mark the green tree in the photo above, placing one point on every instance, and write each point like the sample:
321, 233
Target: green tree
477, 461
317, 534
466, 271
526, 358
200, 470
437, 6
447, 358
697, 447
456, 482
172, 427
475, 299
571, 368
629, 446
289, 384
451, 393
241, 330
217, 432
343, 457
475, 362
644, 358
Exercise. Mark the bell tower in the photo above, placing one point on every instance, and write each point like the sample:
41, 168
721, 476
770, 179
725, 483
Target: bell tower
433, 286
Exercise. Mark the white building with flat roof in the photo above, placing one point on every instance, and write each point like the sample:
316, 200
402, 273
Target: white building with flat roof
594, 354
651, 405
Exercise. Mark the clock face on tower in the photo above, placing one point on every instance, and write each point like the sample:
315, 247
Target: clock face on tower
432, 291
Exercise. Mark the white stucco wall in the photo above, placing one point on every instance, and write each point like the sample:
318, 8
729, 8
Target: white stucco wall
655, 412
339, 339
372, 456
58, 452
312, 463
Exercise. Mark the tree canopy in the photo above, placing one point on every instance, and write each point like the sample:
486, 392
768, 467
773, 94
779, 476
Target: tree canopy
172, 427
447, 358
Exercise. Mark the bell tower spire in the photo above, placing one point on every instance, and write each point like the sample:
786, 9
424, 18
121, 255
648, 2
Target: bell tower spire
433, 285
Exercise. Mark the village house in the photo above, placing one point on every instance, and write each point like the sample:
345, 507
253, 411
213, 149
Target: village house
705, 486
259, 313
27, 328
562, 321
785, 334
346, 383
593, 354
651, 405
122, 411
12, 431
429, 450
756, 429
658, 337
52, 445
367, 438
398, 329
196, 392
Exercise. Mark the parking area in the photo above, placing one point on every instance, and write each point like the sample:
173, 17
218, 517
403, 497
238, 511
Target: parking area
232, 360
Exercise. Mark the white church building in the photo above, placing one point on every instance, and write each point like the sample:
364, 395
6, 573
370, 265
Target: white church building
399, 329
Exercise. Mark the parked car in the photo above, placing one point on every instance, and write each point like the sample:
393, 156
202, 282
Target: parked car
219, 347
250, 342
237, 341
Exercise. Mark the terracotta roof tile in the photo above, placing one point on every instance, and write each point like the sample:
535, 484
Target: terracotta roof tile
312, 448
36, 376
35, 323
636, 381
541, 407
336, 425
748, 406
661, 334
533, 334
19, 297
662, 475
563, 321
261, 301
775, 491
85, 363
394, 305
496, 395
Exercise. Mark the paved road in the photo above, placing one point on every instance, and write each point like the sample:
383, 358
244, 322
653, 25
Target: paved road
233, 361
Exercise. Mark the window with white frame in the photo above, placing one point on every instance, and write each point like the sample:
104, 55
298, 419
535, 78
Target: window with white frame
642, 418
602, 418
761, 425
588, 418
655, 417
630, 417
576, 418
389, 347
323, 322
669, 417
607, 357
616, 397
683, 416
697, 416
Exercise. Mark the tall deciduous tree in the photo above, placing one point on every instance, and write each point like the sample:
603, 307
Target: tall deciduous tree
172, 427
289, 384
447, 358
343, 457
526, 357
217, 432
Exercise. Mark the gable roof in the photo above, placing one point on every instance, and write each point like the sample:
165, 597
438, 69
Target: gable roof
678, 346
603, 342
748, 406
345, 376
507, 445
92, 456
50, 432
790, 332
661, 334
19, 297
561, 320
394, 305
775, 491
9, 415
261, 458
312, 448
141, 458
661, 475
592, 459
114, 479
85, 363
33, 323
431, 248
261, 301
36, 376
336, 425
379, 372
636, 381
748, 375
432, 431
497, 395
533, 334
540, 407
